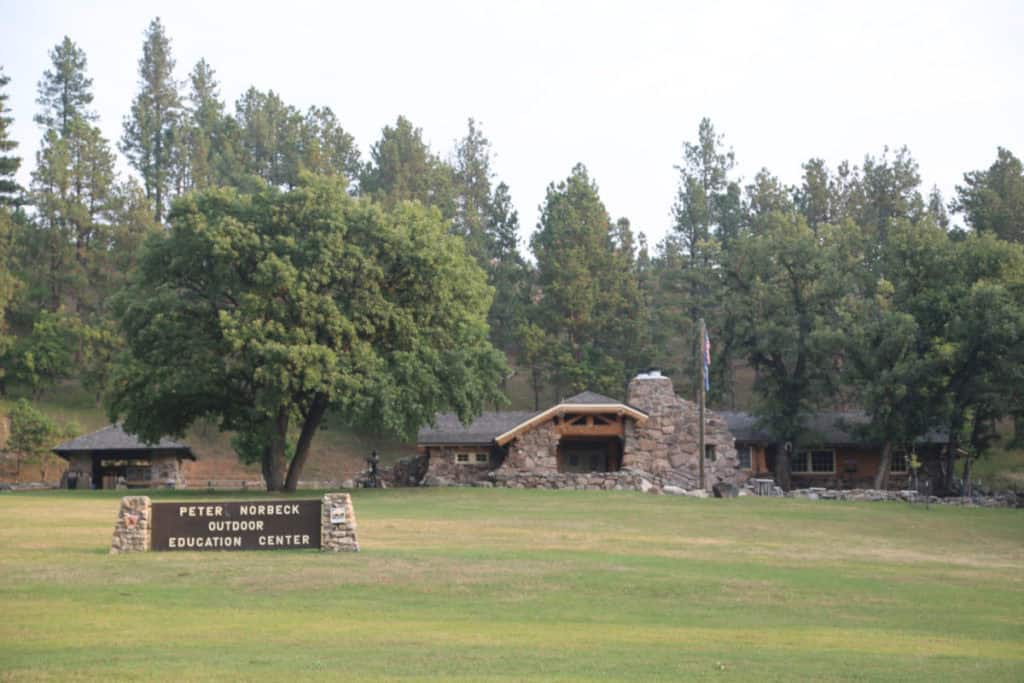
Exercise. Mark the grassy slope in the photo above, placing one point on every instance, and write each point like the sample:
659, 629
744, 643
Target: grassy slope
484, 584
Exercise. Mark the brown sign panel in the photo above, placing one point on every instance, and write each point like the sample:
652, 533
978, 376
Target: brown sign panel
233, 525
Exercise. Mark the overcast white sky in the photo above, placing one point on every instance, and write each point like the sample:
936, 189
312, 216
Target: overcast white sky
616, 85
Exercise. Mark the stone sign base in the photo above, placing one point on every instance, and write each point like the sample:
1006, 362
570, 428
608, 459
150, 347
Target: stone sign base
134, 529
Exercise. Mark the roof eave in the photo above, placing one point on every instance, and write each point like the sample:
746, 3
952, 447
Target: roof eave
580, 408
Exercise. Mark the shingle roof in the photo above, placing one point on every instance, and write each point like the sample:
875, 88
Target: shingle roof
743, 427
448, 429
114, 438
829, 427
590, 398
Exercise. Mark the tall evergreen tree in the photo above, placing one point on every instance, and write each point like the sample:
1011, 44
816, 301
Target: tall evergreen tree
992, 200
472, 166
507, 271
403, 168
590, 305
151, 131
9, 164
65, 92
204, 127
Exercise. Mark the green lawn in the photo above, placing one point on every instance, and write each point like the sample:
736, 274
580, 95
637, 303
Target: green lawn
477, 584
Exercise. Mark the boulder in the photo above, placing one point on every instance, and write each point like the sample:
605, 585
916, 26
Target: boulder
673, 490
696, 493
645, 485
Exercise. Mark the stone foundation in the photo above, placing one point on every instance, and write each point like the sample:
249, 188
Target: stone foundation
339, 534
534, 451
131, 533
1004, 500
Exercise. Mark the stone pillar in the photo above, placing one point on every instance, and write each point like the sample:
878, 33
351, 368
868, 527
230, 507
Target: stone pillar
338, 523
132, 532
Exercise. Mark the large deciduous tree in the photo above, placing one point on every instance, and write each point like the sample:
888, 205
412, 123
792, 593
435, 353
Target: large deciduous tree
785, 283
264, 311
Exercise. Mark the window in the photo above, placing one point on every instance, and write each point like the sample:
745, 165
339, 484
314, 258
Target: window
462, 458
899, 463
743, 457
823, 461
816, 462
472, 458
709, 452
798, 462
482, 459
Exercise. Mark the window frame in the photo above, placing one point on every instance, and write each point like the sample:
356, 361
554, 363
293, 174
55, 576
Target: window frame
740, 451
806, 456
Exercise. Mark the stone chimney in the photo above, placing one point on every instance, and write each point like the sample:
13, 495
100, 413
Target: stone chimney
650, 391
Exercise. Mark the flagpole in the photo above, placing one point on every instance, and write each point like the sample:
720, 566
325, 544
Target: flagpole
702, 334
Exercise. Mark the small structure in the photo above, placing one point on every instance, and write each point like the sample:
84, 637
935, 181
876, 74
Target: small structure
835, 455
111, 457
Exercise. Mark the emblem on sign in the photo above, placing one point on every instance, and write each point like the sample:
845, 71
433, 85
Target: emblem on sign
337, 514
131, 521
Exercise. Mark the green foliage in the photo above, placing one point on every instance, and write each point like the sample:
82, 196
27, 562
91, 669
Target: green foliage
9, 164
590, 302
65, 92
32, 432
257, 310
992, 200
402, 168
151, 138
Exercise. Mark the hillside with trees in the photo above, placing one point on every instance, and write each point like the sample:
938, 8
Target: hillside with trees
258, 272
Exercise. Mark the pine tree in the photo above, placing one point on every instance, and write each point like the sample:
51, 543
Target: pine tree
204, 127
589, 301
9, 164
992, 200
151, 131
473, 190
65, 92
506, 270
403, 168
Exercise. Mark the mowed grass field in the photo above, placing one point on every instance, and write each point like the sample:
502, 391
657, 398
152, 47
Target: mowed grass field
478, 584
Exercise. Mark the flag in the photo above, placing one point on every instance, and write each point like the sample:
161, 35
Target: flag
707, 361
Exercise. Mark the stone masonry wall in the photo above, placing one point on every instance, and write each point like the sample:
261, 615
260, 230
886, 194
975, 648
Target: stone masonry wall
340, 535
667, 444
443, 470
534, 451
131, 533
166, 471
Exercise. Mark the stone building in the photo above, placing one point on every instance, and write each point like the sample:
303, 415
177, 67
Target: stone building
586, 441
111, 457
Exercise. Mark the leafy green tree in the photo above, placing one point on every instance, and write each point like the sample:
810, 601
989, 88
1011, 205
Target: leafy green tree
47, 355
9, 164
886, 353
785, 283
65, 92
32, 432
992, 200
264, 311
402, 167
152, 130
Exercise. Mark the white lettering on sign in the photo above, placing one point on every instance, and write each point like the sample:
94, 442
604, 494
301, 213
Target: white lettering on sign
279, 540
279, 509
200, 511
204, 542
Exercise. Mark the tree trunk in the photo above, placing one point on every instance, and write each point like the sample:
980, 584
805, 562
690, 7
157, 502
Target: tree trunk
782, 469
1018, 431
967, 489
275, 457
882, 476
312, 423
